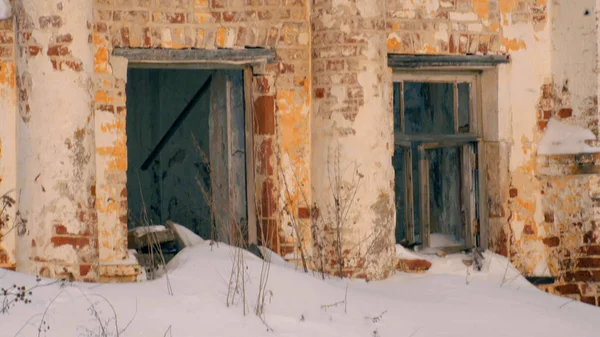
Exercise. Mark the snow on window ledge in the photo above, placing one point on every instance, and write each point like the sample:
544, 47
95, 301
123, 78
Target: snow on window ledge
561, 138
5, 10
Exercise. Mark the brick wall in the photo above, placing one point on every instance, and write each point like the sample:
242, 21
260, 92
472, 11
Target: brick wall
570, 185
460, 26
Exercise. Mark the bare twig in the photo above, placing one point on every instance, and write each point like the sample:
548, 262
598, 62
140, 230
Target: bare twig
376, 318
294, 222
234, 235
568, 302
132, 318
153, 240
327, 306
46, 311
168, 331
346, 300
505, 270
415, 332
269, 329
26, 324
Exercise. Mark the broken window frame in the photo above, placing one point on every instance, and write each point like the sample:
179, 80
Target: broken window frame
470, 156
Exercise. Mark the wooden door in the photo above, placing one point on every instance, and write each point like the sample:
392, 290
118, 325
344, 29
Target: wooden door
228, 155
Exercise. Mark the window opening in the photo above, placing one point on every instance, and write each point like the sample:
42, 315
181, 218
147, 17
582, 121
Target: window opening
436, 159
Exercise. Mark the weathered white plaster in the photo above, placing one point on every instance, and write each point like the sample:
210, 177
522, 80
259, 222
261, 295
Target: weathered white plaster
574, 55
55, 142
526, 79
356, 152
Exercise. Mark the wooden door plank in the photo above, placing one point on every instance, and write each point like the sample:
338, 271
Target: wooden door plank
219, 154
424, 191
250, 186
237, 160
409, 209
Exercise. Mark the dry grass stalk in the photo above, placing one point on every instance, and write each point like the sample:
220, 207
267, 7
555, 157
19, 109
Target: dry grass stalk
156, 254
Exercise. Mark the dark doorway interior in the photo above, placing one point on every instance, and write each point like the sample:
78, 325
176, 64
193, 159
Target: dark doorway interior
198, 178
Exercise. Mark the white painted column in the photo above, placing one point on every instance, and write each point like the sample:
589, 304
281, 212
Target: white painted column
57, 236
8, 111
352, 137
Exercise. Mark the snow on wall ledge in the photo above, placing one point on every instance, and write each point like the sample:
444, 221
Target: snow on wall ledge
561, 138
5, 10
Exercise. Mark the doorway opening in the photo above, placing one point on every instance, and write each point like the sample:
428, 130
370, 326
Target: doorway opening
186, 144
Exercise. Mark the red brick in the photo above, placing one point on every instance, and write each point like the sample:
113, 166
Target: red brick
6, 24
551, 241
547, 114
361, 276
218, 3
588, 262
101, 27
303, 213
6, 37
264, 157
588, 299
565, 113
264, 109
568, 289
578, 276
590, 250
4, 260
528, 229
319, 93
50, 21
60, 230
58, 50
229, 16
261, 85
106, 108
64, 38
75, 241
547, 90
285, 68
453, 44
6, 51
413, 265
176, 17
463, 44
483, 45
84, 269
34, 50
542, 125
267, 199
125, 36
67, 64
269, 230
147, 38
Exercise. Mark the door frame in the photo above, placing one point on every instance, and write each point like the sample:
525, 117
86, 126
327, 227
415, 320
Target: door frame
146, 60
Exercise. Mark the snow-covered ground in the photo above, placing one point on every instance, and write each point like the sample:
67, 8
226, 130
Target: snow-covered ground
449, 300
